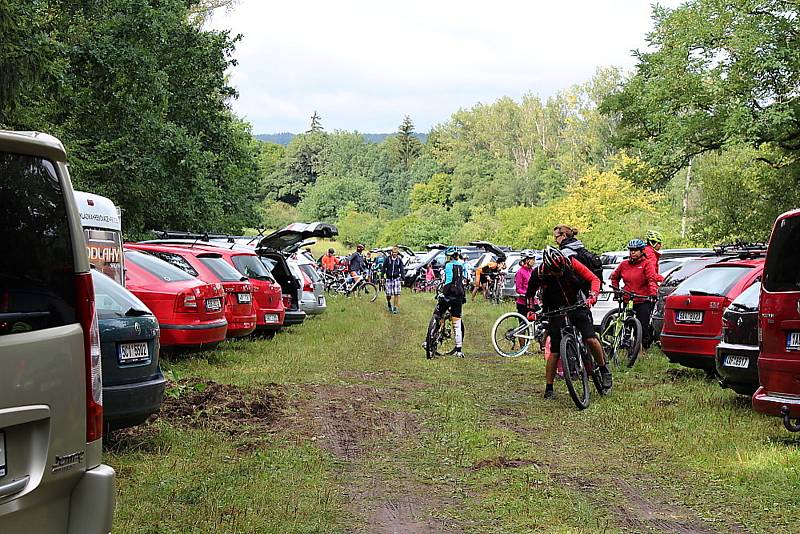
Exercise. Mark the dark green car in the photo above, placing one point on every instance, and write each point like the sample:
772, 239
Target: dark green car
133, 385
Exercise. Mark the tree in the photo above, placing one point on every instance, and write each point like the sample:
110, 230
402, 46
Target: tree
332, 196
722, 72
408, 146
316, 123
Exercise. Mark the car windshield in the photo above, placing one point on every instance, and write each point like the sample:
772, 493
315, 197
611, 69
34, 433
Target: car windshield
782, 270
684, 272
221, 268
749, 297
251, 266
113, 300
714, 280
158, 268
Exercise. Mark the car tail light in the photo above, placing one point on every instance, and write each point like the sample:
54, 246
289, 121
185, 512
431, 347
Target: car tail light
187, 300
87, 316
287, 301
307, 284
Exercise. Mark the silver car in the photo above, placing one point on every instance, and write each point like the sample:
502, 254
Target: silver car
313, 300
52, 479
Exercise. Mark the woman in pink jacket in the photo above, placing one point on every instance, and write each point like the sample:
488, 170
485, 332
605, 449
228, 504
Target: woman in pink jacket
527, 260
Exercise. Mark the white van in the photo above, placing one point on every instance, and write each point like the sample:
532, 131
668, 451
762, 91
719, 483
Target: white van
102, 226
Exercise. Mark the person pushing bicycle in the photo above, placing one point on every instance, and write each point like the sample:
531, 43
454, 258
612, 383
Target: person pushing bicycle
559, 280
641, 278
453, 294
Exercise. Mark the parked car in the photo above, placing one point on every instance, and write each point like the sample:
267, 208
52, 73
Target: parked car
434, 256
704, 257
133, 385
313, 299
209, 266
779, 361
190, 312
52, 478
271, 249
737, 354
693, 312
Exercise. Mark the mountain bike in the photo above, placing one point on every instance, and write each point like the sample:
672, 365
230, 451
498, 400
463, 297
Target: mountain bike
621, 332
494, 289
440, 339
361, 288
576, 360
513, 333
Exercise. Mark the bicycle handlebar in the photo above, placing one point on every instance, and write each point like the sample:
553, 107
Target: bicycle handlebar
564, 310
618, 290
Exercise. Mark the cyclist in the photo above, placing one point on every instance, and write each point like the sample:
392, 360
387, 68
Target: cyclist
559, 280
653, 249
393, 271
357, 263
329, 261
527, 260
640, 277
453, 294
484, 273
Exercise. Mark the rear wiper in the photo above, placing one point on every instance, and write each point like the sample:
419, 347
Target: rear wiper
701, 293
133, 312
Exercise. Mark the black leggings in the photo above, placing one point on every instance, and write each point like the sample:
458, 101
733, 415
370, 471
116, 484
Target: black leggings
643, 310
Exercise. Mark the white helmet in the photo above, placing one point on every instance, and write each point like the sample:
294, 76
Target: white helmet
526, 254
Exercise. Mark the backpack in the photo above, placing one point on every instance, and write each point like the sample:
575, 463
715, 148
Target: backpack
591, 261
455, 289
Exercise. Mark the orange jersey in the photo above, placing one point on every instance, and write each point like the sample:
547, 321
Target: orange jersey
329, 262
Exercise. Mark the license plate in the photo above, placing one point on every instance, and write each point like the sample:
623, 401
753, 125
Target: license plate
214, 304
685, 316
243, 298
2, 454
271, 318
604, 296
732, 360
133, 353
321, 301
793, 341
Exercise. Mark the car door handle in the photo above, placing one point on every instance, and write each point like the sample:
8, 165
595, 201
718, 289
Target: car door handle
14, 487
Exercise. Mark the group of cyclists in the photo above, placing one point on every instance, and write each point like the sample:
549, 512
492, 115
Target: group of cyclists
561, 280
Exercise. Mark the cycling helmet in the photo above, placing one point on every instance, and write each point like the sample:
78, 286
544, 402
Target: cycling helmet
554, 260
654, 236
330, 251
526, 254
452, 251
635, 244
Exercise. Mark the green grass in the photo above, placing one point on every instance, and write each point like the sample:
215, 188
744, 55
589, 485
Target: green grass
486, 452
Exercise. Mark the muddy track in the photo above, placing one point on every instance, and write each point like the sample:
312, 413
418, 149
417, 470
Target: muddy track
350, 421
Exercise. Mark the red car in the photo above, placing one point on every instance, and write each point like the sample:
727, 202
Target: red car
268, 302
693, 312
779, 323
190, 312
209, 266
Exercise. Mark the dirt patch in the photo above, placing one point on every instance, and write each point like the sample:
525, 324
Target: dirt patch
501, 462
681, 373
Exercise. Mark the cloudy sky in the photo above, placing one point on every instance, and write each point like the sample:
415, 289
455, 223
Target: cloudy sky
365, 64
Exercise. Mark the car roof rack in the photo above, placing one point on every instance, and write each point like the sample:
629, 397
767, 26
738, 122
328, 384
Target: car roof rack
205, 238
741, 249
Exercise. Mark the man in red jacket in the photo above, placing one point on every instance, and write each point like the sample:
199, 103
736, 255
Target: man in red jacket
559, 280
653, 250
641, 278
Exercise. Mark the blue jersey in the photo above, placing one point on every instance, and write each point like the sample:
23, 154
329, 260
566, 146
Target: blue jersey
448, 270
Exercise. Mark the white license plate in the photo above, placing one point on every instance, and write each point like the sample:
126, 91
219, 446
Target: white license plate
271, 318
793, 341
321, 301
2, 454
604, 296
243, 298
732, 360
685, 316
214, 304
133, 353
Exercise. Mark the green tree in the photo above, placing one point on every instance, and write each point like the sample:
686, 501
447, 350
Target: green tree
316, 124
434, 192
332, 196
408, 146
356, 227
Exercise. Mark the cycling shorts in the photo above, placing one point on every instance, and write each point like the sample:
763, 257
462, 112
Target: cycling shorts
582, 319
454, 305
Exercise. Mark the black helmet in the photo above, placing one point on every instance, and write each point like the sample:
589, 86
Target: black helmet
554, 260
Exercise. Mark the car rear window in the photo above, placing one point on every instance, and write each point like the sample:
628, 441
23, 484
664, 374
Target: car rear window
162, 270
113, 300
251, 266
310, 272
782, 270
37, 269
221, 268
714, 280
749, 297
175, 259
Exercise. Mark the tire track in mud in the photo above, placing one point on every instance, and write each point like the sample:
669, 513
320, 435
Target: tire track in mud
349, 420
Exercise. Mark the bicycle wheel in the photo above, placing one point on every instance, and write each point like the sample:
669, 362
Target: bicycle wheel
608, 336
447, 341
575, 374
432, 338
367, 290
632, 336
511, 335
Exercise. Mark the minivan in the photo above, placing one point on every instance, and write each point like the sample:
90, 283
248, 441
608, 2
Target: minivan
52, 479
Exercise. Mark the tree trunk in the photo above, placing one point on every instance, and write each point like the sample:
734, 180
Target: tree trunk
685, 207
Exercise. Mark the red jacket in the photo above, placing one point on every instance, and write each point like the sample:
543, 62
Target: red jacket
639, 277
653, 256
565, 290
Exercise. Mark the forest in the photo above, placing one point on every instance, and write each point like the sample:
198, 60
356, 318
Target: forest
700, 141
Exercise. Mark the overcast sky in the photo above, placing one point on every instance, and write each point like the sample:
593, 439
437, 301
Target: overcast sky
365, 64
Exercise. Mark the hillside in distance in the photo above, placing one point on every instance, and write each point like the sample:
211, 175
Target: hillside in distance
283, 138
